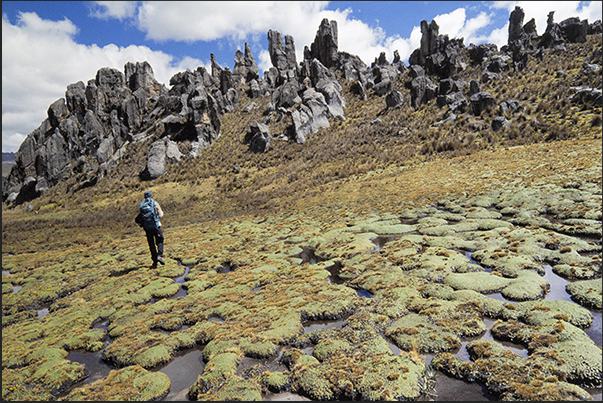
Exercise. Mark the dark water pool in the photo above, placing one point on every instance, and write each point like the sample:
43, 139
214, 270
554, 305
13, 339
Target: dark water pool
183, 371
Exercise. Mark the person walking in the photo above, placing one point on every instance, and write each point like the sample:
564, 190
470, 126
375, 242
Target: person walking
150, 213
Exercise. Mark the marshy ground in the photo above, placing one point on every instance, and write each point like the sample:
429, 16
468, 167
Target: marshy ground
479, 274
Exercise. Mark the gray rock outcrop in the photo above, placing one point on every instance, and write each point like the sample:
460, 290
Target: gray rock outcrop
438, 54
422, 90
258, 137
92, 121
325, 45
394, 99
245, 68
87, 132
481, 101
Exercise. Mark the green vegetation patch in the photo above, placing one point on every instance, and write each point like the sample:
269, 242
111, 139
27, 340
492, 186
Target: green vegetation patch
126, 384
419, 332
276, 381
217, 371
235, 388
486, 283
509, 376
586, 292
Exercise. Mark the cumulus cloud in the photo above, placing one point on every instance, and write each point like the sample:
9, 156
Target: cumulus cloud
120, 10
40, 58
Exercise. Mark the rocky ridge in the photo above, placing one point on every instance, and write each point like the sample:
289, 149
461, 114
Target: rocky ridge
88, 132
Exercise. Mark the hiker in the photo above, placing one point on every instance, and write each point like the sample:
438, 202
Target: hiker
149, 214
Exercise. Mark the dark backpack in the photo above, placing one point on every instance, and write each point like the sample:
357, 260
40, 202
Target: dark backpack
149, 217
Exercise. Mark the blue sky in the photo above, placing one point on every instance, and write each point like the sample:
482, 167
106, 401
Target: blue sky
47, 45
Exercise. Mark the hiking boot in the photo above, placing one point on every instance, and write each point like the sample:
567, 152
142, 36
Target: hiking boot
160, 260
154, 265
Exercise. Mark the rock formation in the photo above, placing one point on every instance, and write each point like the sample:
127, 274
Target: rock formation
87, 133
438, 54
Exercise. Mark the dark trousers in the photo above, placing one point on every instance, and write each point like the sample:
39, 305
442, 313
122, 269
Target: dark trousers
155, 240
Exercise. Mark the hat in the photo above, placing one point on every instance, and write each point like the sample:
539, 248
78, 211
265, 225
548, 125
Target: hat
148, 194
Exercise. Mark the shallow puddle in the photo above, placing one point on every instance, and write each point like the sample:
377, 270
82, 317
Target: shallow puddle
594, 331
557, 283
215, 319
16, 288
308, 255
94, 366
6, 273
469, 254
451, 389
324, 324
42, 312
381, 240
183, 371
518, 349
364, 294
335, 269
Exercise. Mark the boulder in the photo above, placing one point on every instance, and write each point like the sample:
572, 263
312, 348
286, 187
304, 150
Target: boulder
449, 119
589, 97
516, 25
477, 53
394, 99
574, 30
26, 192
215, 67
481, 101
57, 111
245, 68
500, 122
258, 137
156, 161
140, 79
383, 87
76, 100
416, 71
456, 101
254, 89
474, 87
325, 82
595, 28
286, 95
172, 153
498, 63
282, 57
422, 90
448, 85
553, 36
302, 124
509, 106
438, 54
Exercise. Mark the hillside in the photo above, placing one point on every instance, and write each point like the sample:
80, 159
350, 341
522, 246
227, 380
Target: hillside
390, 255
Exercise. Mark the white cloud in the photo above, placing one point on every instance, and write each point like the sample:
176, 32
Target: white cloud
120, 10
238, 21
210, 20
40, 58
